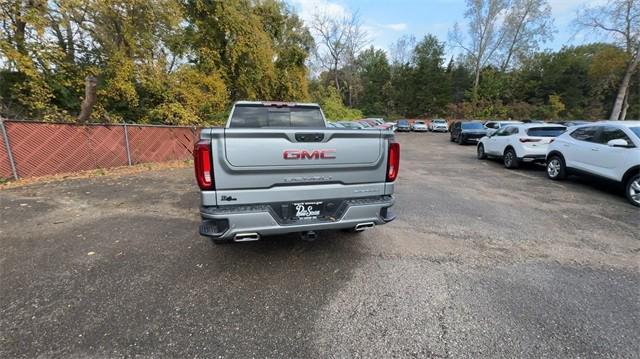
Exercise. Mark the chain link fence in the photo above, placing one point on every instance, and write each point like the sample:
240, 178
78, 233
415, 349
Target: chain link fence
31, 149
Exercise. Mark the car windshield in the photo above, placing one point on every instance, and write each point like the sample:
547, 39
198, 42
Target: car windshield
636, 131
546, 131
260, 116
419, 122
403, 122
439, 121
472, 126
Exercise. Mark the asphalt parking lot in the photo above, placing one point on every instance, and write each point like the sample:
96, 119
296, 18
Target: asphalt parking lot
482, 262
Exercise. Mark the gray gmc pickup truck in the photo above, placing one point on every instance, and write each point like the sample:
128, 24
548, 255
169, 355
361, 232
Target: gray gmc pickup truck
276, 168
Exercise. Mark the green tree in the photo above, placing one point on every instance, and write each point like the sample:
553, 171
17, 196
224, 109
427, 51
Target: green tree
403, 90
554, 107
431, 87
375, 76
229, 37
161, 61
331, 101
292, 44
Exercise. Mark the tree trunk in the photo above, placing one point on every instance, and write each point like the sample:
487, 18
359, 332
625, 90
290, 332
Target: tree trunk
505, 64
19, 36
624, 89
335, 77
476, 81
71, 47
625, 106
89, 100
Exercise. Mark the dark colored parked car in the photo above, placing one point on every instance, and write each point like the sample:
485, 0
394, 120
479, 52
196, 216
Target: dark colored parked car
403, 126
465, 132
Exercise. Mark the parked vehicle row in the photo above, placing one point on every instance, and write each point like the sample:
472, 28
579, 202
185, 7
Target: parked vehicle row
489, 127
435, 125
367, 123
606, 149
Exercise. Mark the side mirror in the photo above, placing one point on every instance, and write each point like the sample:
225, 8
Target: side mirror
618, 142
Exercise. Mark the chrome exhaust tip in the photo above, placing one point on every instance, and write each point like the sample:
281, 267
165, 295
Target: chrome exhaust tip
246, 237
363, 226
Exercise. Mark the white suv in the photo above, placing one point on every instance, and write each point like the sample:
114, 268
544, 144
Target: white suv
608, 149
518, 143
438, 125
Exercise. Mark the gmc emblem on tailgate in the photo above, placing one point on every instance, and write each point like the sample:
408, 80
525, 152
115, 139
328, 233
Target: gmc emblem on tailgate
306, 155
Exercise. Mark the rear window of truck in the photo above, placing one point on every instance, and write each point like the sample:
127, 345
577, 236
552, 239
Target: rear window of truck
260, 116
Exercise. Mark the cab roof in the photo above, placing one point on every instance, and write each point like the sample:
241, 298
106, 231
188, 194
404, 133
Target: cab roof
277, 103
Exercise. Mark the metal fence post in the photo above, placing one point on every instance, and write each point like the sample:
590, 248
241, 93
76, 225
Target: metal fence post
126, 143
7, 145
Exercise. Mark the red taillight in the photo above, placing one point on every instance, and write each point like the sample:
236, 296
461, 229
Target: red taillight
393, 162
525, 139
202, 164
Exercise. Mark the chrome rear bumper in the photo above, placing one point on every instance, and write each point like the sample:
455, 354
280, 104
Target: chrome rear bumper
261, 220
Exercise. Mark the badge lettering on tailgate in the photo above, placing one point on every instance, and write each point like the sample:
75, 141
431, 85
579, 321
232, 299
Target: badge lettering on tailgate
327, 154
308, 179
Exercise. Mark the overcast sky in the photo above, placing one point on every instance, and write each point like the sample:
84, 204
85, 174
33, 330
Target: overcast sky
387, 20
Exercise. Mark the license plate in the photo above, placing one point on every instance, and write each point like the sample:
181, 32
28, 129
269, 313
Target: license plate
306, 210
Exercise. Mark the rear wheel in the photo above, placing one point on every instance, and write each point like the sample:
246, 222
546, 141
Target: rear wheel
481, 154
556, 169
633, 190
510, 159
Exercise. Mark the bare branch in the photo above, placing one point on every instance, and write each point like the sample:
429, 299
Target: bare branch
340, 39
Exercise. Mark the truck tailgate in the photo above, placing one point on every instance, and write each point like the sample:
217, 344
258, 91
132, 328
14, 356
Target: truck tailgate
266, 158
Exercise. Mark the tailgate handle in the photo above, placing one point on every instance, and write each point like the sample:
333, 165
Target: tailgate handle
309, 137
